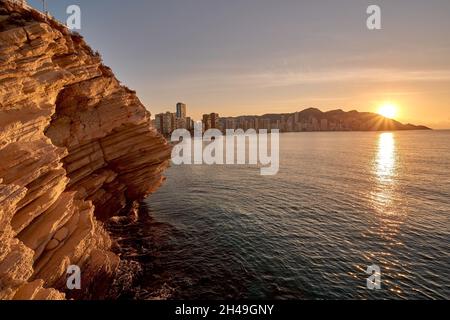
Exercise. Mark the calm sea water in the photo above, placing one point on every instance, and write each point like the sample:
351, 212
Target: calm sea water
341, 202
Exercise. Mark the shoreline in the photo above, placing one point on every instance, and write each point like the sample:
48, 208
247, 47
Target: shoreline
342, 131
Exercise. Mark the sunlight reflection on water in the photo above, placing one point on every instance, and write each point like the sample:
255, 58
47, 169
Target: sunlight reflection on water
386, 158
385, 172
388, 207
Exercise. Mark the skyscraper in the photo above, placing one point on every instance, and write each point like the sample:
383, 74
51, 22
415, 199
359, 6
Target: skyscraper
206, 120
189, 124
165, 123
181, 110
324, 124
215, 121
159, 122
211, 121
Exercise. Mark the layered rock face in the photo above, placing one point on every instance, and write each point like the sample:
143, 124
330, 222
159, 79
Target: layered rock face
76, 147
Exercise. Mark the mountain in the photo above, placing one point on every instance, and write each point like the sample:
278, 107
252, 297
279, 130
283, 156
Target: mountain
313, 119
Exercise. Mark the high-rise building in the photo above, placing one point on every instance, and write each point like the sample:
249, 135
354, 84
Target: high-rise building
159, 122
180, 123
277, 125
215, 121
189, 124
211, 121
206, 120
315, 124
230, 124
181, 111
324, 124
283, 123
290, 124
251, 124
165, 123
173, 121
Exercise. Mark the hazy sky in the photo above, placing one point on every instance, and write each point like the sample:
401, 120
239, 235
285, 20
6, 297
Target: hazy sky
256, 56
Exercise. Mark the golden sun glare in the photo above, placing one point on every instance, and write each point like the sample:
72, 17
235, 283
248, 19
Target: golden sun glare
388, 110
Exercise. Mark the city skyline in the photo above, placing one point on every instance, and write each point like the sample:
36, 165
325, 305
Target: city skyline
307, 120
261, 57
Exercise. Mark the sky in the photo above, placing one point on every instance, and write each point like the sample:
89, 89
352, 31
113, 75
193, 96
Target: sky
250, 57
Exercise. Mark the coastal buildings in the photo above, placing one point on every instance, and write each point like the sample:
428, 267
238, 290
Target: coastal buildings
167, 122
308, 120
211, 121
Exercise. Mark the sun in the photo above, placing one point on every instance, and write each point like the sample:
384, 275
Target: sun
388, 110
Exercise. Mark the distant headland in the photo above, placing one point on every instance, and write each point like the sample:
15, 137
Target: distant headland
313, 119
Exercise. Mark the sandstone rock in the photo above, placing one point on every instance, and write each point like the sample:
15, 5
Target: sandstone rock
35, 290
61, 234
75, 147
52, 245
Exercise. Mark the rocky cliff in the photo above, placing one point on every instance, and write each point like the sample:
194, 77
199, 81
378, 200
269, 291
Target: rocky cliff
76, 147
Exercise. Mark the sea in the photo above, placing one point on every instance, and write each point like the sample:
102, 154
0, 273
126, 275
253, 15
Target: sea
346, 210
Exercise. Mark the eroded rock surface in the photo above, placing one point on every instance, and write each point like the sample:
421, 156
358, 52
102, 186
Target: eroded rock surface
75, 148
